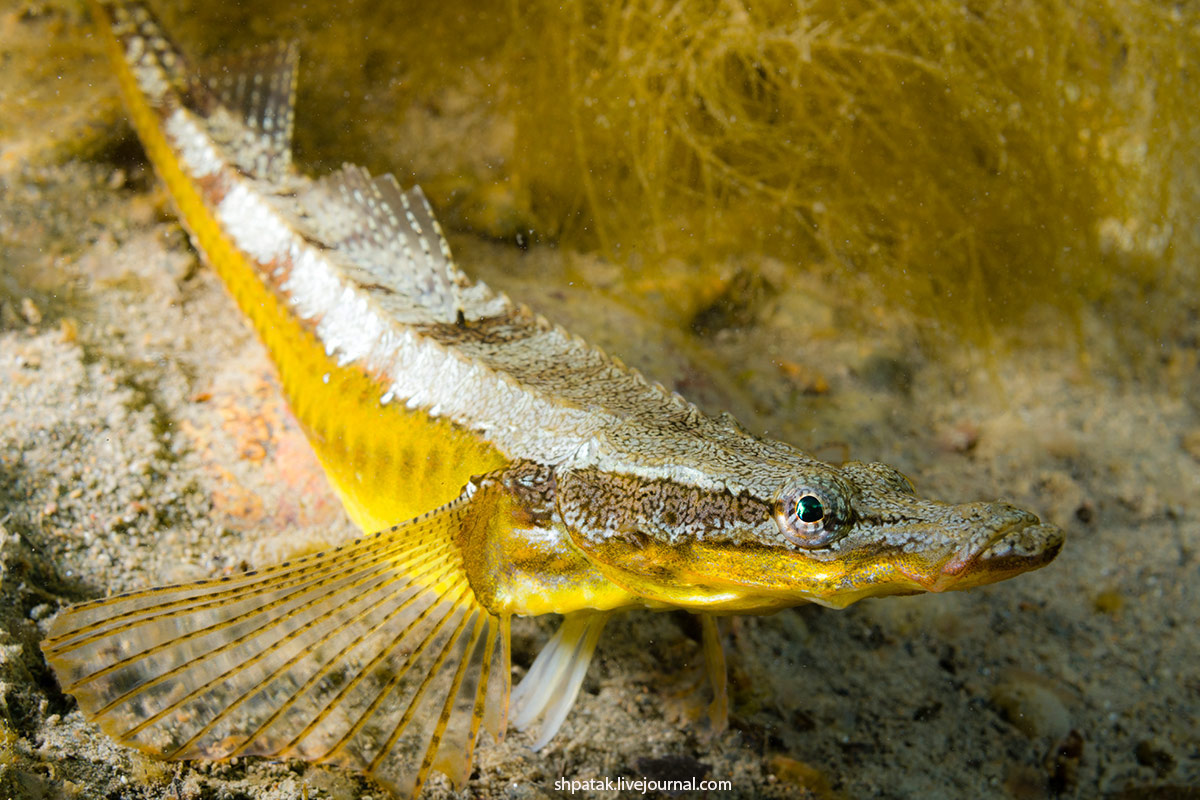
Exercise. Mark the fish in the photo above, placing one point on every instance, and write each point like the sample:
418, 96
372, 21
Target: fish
497, 465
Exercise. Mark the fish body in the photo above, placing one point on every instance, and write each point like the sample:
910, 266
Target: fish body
498, 465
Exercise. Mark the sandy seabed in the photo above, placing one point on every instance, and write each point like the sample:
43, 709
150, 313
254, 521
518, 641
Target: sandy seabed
143, 441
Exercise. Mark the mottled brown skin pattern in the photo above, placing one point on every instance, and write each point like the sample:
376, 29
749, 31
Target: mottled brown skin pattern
633, 509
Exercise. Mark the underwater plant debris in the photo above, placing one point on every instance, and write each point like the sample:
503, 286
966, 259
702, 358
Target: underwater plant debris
975, 162
972, 158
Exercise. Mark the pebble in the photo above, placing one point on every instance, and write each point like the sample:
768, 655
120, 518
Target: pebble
1032, 707
30, 311
960, 437
1109, 601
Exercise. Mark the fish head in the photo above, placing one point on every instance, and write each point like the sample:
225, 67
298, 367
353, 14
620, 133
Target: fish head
767, 526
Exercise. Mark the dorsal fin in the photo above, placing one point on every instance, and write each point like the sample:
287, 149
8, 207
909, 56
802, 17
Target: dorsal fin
421, 221
388, 234
258, 88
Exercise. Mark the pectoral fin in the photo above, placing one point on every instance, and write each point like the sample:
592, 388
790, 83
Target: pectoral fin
541, 701
375, 656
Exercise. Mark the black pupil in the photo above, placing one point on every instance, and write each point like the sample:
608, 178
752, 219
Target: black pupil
809, 509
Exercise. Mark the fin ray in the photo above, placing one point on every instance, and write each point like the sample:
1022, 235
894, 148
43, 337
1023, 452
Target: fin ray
258, 90
391, 240
332, 612
194, 602
375, 656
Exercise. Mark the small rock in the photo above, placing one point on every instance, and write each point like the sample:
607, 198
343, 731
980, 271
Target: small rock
30, 312
9, 654
958, 438
1032, 707
69, 330
1110, 601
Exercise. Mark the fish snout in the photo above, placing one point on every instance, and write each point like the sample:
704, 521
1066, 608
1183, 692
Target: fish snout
1007, 541
999, 517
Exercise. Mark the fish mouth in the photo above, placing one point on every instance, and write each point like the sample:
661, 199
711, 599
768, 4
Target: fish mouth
1021, 546
1016, 542
1038, 541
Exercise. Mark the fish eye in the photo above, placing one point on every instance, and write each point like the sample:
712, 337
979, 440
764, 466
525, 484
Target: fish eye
807, 517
